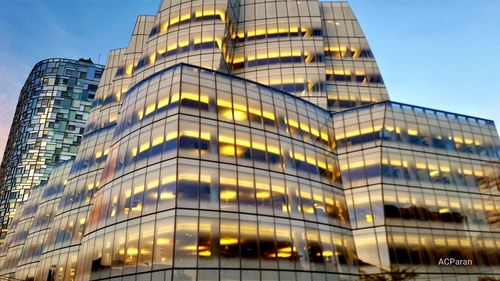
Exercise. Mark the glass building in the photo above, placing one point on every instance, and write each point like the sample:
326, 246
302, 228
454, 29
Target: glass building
421, 185
254, 140
29, 234
48, 125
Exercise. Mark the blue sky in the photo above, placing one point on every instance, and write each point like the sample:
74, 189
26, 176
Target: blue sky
441, 54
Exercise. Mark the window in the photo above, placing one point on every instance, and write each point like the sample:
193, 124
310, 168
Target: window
164, 241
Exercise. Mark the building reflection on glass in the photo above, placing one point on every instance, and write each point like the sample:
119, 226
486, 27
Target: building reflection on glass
255, 141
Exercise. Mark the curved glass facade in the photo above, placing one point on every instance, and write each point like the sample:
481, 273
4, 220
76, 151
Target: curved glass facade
424, 184
212, 153
21, 253
48, 125
206, 171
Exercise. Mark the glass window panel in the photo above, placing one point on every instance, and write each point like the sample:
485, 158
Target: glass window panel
145, 255
186, 240
167, 189
132, 249
151, 191
118, 251
229, 243
208, 242
248, 242
267, 246
228, 188
280, 198
188, 185
136, 200
246, 191
209, 187
164, 241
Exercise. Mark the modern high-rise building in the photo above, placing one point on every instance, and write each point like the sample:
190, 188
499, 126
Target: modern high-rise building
243, 140
47, 128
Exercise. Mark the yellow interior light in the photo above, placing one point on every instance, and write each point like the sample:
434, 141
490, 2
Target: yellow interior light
298, 156
228, 241
225, 139
189, 133
204, 253
171, 136
118, 95
183, 43
356, 53
254, 111
467, 172
172, 47
268, 115
205, 136
228, 195
189, 96
168, 179
219, 42
152, 58
445, 169
311, 160
293, 123
163, 241
240, 107
284, 208
322, 164
242, 142
273, 149
162, 51
412, 132
259, 146
224, 103
128, 69
167, 195
396, 162
204, 99
444, 210
327, 253
227, 150
163, 102
175, 98
262, 195
153, 184
239, 115
138, 189
164, 27
304, 127
185, 17
174, 20
366, 130
227, 181
150, 108
324, 136
433, 173
144, 146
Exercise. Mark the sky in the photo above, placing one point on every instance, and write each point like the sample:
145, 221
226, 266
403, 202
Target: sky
440, 54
